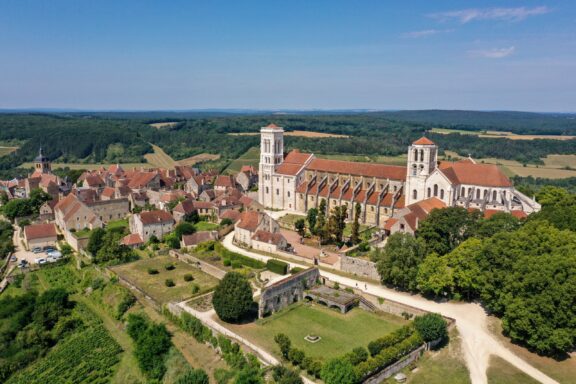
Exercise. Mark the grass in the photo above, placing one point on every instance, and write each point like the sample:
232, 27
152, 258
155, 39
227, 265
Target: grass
192, 160
160, 158
206, 226
7, 150
501, 372
390, 160
563, 371
501, 134
82, 233
340, 333
445, 366
154, 285
250, 157
122, 223
289, 219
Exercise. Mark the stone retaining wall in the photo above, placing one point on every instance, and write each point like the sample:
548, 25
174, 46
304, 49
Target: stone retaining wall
359, 267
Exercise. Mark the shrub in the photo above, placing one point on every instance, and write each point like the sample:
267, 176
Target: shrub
226, 262
225, 222
195, 289
284, 343
357, 356
188, 277
389, 340
295, 270
338, 371
431, 326
152, 271
169, 267
169, 283
232, 298
236, 264
277, 266
296, 356
193, 376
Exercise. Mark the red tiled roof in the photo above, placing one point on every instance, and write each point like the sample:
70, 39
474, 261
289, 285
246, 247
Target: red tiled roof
485, 175
517, 214
389, 223
185, 207
268, 237
156, 216
94, 181
289, 169
199, 237
383, 171
249, 220
40, 231
423, 141
224, 181
204, 205
231, 214
272, 126
141, 179
132, 239
245, 200
108, 192
297, 157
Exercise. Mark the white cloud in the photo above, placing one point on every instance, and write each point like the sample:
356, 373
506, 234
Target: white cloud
506, 14
495, 53
425, 33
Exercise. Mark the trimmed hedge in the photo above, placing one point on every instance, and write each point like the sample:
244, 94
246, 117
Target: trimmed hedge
374, 347
277, 266
240, 259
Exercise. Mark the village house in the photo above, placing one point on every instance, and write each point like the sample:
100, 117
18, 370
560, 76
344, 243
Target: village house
151, 223
72, 214
254, 229
224, 183
191, 241
133, 240
247, 177
40, 235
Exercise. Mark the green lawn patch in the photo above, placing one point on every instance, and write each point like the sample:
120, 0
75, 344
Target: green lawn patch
289, 219
122, 223
250, 157
206, 226
340, 333
154, 285
82, 233
502, 372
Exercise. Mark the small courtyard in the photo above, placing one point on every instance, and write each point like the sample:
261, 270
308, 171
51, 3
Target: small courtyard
339, 333
138, 274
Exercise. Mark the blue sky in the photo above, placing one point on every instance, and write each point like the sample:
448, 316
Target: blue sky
503, 55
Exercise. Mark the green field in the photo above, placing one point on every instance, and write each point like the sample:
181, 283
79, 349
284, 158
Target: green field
390, 160
340, 333
502, 372
250, 157
7, 150
154, 285
122, 223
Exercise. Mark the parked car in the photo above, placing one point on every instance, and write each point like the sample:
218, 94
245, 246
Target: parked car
51, 259
13, 258
37, 250
55, 254
40, 260
48, 249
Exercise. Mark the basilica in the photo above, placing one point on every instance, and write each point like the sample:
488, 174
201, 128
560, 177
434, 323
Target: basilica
299, 181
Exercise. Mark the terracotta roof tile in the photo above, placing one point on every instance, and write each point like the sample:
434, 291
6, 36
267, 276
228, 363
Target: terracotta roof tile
249, 220
156, 216
485, 175
132, 239
382, 171
199, 237
423, 141
297, 157
268, 237
40, 231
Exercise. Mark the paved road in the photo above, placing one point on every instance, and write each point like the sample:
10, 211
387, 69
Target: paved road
471, 320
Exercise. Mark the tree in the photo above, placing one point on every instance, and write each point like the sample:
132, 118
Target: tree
50, 306
357, 355
283, 375
300, 226
192, 217
284, 343
499, 222
445, 228
466, 273
96, 240
37, 198
112, 250
398, 262
355, 236
232, 298
431, 326
550, 195
434, 276
193, 376
226, 222
3, 197
312, 217
338, 371
184, 228
321, 228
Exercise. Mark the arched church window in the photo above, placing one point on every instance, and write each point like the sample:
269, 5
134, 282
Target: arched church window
477, 193
442, 194
421, 155
428, 194
435, 190
463, 191
414, 171
414, 194
485, 193
494, 195
415, 155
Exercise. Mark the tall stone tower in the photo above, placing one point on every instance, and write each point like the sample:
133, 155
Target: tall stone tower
271, 155
42, 163
422, 160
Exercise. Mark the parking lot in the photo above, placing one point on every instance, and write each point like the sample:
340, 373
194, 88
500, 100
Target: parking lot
21, 252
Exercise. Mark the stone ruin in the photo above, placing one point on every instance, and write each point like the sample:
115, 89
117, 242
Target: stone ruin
287, 291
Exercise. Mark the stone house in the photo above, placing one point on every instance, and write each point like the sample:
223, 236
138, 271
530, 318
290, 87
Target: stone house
407, 219
252, 222
247, 177
72, 214
151, 223
132, 240
40, 235
191, 241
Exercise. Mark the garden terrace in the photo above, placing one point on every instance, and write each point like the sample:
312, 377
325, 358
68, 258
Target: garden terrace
154, 285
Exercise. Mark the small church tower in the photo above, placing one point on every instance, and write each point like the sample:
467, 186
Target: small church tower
42, 163
271, 155
422, 160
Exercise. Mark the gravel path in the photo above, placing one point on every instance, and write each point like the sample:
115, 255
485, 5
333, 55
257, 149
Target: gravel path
471, 320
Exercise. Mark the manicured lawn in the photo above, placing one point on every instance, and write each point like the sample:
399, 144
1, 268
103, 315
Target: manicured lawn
154, 285
82, 233
206, 226
340, 333
289, 220
122, 223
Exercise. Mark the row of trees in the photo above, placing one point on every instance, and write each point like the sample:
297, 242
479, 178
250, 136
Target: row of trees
522, 271
26, 207
327, 227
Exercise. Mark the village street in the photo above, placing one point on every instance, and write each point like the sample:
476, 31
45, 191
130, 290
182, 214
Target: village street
471, 321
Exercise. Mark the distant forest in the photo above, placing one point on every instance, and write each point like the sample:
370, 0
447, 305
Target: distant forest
125, 137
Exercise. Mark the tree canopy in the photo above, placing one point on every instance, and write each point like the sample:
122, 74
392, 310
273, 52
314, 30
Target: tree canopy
232, 298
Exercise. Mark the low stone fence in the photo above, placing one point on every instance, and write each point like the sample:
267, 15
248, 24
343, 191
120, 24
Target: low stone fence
225, 230
200, 264
359, 267
76, 243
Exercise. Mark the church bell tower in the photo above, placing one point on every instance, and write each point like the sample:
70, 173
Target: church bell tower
422, 160
271, 155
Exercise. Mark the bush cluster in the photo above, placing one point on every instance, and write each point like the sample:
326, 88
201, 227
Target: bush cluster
277, 266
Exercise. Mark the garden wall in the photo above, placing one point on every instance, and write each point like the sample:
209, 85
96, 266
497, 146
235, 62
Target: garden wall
359, 267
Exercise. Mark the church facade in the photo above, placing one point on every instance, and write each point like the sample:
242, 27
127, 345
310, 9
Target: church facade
300, 181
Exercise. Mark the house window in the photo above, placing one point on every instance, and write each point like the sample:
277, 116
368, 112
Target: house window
395, 188
372, 209
421, 155
415, 155
442, 194
414, 171
414, 194
477, 193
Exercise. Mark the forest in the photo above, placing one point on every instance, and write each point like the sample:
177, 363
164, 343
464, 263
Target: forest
125, 138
